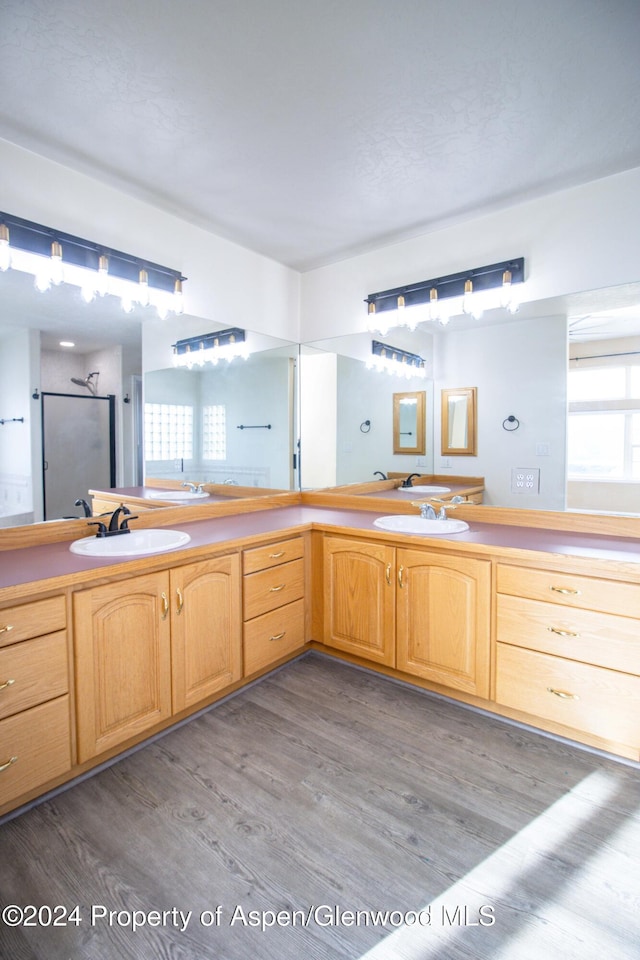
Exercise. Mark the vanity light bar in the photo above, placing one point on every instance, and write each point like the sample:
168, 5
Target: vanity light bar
51, 254
395, 354
210, 348
453, 285
209, 341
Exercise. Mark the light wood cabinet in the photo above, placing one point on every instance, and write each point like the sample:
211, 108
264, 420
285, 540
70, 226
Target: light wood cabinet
273, 602
443, 619
152, 645
35, 727
123, 661
360, 598
568, 651
427, 614
206, 629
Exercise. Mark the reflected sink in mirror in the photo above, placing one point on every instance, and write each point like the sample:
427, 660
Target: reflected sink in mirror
136, 543
407, 523
424, 490
176, 495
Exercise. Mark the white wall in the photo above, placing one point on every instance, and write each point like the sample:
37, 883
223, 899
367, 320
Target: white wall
519, 369
225, 282
579, 239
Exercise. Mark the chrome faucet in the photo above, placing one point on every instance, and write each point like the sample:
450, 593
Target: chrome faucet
195, 488
427, 512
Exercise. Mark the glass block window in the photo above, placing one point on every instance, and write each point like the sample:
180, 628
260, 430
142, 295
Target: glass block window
214, 432
168, 431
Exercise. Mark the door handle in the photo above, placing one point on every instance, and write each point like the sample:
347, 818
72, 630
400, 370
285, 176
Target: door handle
180, 599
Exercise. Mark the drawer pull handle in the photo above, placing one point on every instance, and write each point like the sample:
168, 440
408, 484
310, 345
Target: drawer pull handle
7, 683
563, 694
400, 574
278, 636
165, 605
388, 574
276, 556
7, 763
277, 589
563, 633
180, 600
6, 628
568, 591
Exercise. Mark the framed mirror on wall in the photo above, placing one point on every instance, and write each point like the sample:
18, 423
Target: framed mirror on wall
409, 423
459, 427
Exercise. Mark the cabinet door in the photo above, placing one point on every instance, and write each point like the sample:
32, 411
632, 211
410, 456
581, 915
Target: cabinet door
123, 649
206, 629
359, 598
443, 619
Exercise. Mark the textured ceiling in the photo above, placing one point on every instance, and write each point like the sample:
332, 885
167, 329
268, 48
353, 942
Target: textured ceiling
312, 130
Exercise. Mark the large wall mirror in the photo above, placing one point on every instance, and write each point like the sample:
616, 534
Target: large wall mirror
518, 364
520, 367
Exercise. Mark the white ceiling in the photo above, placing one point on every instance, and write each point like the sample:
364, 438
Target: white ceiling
311, 130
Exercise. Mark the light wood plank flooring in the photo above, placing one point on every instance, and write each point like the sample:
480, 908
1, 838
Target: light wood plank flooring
327, 787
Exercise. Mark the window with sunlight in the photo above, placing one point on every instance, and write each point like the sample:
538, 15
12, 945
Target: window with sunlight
604, 422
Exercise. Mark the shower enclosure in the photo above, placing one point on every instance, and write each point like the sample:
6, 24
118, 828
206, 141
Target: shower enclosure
78, 450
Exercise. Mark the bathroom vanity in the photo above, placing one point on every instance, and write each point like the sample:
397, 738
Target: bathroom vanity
533, 617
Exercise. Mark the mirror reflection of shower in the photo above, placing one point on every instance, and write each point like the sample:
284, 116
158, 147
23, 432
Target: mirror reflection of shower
88, 382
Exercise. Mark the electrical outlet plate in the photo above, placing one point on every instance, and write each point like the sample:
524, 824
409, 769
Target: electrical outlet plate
525, 480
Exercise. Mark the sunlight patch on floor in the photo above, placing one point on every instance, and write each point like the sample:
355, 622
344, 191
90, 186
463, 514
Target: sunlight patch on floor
508, 882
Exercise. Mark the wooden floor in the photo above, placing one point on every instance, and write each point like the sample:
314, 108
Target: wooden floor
328, 793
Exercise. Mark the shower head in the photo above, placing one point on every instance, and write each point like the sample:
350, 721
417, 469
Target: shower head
91, 387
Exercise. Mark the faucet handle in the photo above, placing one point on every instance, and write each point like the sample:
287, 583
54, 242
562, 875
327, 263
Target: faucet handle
102, 527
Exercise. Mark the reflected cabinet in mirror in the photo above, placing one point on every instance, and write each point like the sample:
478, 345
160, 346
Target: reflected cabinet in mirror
409, 418
459, 422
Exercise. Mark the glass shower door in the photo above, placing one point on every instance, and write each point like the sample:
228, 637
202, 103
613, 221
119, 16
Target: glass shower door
78, 443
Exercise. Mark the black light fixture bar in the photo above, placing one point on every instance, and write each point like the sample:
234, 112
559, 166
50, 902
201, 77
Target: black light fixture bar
388, 352
36, 238
209, 341
453, 285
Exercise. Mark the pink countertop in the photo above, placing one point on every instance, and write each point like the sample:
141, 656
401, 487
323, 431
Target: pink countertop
51, 561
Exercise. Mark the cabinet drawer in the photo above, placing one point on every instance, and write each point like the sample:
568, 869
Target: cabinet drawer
32, 672
273, 588
39, 739
571, 590
599, 638
261, 558
598, 701
32, 620
273, 635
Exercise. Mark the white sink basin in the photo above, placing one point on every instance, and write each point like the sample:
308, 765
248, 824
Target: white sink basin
176, 495
424, 490
133, 544
409, 523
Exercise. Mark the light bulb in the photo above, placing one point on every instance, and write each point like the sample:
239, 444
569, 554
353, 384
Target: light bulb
102, 280
5, 250
178, 302
470, 302
143, 288
56, 263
